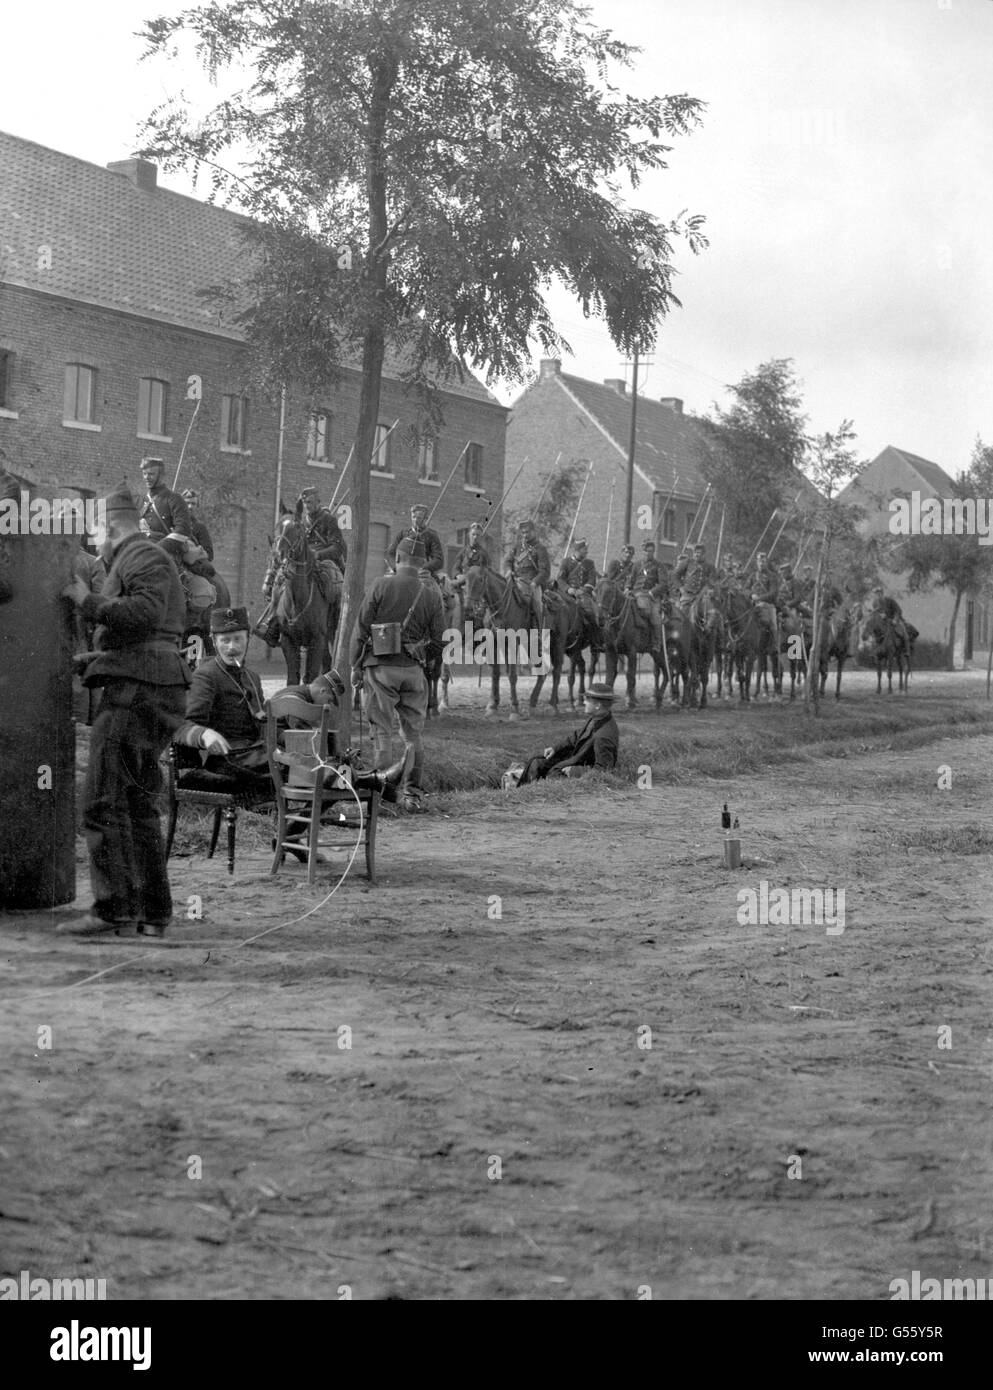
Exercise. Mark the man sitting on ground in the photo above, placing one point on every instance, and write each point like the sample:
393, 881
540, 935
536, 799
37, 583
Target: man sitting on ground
594, 745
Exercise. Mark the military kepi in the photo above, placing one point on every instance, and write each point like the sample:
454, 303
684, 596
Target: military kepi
121, 505
411, 552
229, 620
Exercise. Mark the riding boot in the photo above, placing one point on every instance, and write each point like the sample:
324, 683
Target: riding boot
410, 786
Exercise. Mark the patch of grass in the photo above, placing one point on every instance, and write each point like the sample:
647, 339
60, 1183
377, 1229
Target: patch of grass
971, 838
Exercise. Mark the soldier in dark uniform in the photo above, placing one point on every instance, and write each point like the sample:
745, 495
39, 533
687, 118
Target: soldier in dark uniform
198, 529
419, 531
472, 553
163, 512
323, 532
764, 585
395, 685
140, 614
577, 571
693, 574
531, 567
888, 608
647, 592
594, 745
621, 571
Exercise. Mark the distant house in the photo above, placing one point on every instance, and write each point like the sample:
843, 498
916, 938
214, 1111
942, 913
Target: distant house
575, 421
899, 473
112, 348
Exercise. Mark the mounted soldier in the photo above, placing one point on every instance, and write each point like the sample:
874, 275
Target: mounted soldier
648, 592
474, 552
419, 531
323, 532
764, 585
577, 577
163, 512
693, 574
884, 606
198, 529
531, 568
621, 571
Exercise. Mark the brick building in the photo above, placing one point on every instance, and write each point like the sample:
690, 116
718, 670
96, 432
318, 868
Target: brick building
899, 473
107, 339
579, 422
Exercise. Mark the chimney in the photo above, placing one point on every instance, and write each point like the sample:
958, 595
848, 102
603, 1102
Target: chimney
549, 367
673, 402
617, 384
141, 172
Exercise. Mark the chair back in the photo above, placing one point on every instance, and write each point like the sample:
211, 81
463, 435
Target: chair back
303, 752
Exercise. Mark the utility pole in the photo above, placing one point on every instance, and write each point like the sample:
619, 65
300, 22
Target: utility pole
629, 495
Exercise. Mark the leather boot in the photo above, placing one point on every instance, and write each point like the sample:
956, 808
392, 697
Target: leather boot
410, 789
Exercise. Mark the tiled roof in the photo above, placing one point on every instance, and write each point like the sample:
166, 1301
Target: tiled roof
932, 473
666, 444
144, 251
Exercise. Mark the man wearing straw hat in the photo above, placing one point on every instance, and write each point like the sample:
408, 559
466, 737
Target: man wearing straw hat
140, 614
594, 745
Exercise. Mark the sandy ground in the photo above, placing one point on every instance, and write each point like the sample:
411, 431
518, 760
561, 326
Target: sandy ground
491, 1127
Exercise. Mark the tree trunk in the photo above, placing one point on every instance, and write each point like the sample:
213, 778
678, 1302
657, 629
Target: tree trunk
813, 686
951, 630
373, 351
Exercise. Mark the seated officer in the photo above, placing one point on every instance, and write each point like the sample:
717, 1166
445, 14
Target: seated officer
594, 745
224, 714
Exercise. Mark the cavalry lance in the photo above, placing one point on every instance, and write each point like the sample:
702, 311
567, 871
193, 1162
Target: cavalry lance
504, 497
775, 513
447, 481
610, 509
789, 513
579, 505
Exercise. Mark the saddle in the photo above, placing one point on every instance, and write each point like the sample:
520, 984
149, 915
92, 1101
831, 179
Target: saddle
329, 578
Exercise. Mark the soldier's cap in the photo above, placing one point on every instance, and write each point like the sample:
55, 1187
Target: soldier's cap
151, 462
699, 545
577, 544
418, 507
329, 682
648, 545
599, 691
120, 505
307, 492
411, 552
190, 494
229, 620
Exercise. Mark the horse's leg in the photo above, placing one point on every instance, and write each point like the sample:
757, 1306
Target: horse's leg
291, 655
539, 685
446, 676
517, 712
837, 687
493, 704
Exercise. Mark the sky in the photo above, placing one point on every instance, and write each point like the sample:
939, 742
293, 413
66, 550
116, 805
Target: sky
844, 166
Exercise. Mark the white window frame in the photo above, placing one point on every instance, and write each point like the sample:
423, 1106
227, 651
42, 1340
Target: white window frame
312, 460
226, 446
79, 422
152, 381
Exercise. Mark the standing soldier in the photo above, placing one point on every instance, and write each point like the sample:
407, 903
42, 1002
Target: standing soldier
419, 531
472, 553
163, 512
528, 562
764, 585
648, 593
399, 618
323, 532
693, 574
198, 529
140, 615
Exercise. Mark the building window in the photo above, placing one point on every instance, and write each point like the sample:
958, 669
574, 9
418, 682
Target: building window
669, 524
318, 437
81, 394
427, 461
474, 466
381, 449
153, 397
6, 376
234, 422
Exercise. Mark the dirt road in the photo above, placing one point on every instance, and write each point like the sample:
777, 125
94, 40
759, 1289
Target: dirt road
443, 1088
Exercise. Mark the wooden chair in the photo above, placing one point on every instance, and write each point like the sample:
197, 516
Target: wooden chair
308, 789
184, 762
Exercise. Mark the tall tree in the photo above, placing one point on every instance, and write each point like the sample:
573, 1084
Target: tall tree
753, 450
959, 563
556, 508
419, 171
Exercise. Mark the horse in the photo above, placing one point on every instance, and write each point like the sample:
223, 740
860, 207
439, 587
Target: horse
692, 641
493, 602
795, 632
625, 632
569, 627
742, 637
766, 657
890, 650
307, 618
836, 642
439, 672
591, 640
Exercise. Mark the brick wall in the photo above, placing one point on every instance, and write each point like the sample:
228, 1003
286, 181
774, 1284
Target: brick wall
545, 421
44, 333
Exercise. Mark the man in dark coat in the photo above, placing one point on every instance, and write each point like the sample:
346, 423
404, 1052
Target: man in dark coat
531, 567
647, 594
198, 528
323, 532
474, 552
577, 570
139, 615
594, 745
163, 511
419, 531
393, 680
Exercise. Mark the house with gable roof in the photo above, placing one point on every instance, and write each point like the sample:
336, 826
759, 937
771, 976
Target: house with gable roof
569, 420
112, 347
899, 473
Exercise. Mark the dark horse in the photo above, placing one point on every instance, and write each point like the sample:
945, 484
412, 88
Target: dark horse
741, 640
439, 671
494, 603
836, 642
691, 644
890, 650
307, 617
626, 632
